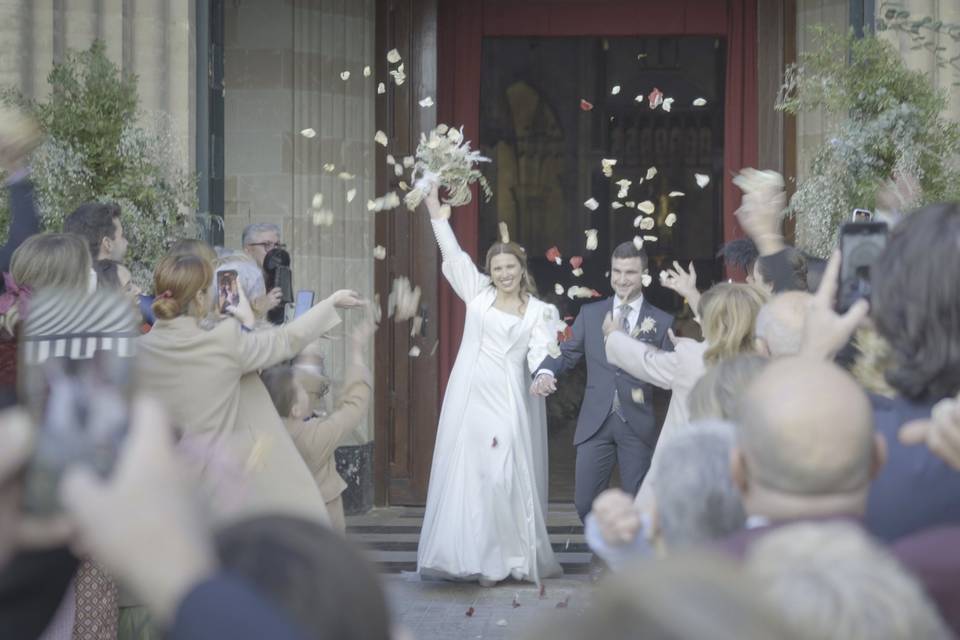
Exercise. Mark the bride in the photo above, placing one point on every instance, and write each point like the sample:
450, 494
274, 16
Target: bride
487, 499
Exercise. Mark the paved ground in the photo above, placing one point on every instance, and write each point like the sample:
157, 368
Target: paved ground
437, 610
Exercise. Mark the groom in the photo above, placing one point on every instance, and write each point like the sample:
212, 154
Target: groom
616, 417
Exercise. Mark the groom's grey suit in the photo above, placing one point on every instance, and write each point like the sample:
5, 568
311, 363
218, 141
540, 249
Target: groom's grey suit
604, 432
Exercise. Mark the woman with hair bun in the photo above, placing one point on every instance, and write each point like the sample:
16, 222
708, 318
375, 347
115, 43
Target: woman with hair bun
485, 517
243, 455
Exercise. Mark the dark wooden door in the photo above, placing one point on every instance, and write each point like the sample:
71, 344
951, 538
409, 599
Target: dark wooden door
407, 392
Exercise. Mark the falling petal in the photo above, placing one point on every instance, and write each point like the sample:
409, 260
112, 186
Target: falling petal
576, 262
317, 201
667, 104
702, 179
573, 291
427, 102
647, 224
623, 183
380, 138
343, 175
414, 351
379, 253
664, 276
638, 97
391, 159
670, 220
397, 170
591, 239
501, 623
308, 132
655, 99
504, 232
393, 56
616, 205
351, 194
409, 161
651, 172
699, 102
585, 106
637, 220
638, 242
553, 255
367, 71
323, 218
637, 394
403, 186
344, 75
577, 272
647, 207
650, 238
591, 204
623, 192
329, 167
558, 289
381, 89
615, 90
646, 279
676, 194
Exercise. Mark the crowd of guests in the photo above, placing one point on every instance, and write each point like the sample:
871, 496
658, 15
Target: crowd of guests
806, 483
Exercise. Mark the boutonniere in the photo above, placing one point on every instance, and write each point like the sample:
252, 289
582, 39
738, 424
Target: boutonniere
648, 325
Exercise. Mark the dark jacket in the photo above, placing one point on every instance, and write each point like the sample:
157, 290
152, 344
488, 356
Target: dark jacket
603, 377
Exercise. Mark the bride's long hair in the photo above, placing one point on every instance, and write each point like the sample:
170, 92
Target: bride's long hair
527, 285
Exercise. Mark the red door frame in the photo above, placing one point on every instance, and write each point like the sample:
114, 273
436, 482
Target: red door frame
464, 23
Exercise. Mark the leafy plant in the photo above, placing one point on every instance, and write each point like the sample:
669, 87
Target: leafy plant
890, 124
924, 33
101, 147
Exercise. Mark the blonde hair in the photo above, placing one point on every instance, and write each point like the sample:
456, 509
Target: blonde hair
728, 315
527, 285
176, 282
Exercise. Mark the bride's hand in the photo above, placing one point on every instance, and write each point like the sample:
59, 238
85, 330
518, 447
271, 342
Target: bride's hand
433, 203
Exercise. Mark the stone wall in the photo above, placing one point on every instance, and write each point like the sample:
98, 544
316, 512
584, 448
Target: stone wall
154, 40
282, 66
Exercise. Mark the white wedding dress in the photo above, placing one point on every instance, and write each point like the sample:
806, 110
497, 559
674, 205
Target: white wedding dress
487, 499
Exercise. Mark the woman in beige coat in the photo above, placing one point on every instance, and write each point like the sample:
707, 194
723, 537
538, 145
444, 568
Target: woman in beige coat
244, 458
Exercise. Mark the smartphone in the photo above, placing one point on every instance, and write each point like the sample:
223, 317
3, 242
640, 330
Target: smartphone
861, 215
227, 290
861, 243
304, 302
76, 381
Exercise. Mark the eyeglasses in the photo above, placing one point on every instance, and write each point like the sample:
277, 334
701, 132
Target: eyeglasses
267, 246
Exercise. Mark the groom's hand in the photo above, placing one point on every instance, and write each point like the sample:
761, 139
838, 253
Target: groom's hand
543, 385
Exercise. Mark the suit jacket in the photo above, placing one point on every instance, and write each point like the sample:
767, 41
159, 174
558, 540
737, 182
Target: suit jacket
914, 490
603, 377
317, 438
237, 444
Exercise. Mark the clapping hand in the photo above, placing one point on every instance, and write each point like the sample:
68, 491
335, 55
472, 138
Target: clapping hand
825, 331
941, 433
617, 517
347, 299
761, 209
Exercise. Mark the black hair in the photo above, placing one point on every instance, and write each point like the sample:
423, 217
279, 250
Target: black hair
798, 266
108, 274
815, 268
93, 221
627, 250
741, 253
916, 303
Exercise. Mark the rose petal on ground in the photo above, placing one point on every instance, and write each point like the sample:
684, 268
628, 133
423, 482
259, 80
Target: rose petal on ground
470, 612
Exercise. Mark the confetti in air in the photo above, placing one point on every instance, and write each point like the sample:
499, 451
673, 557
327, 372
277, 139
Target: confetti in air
308, 132
558, 289
317, 201
615, 90
607, 165
585, 106
591, 204
379, 252
351, 194
380, 138
367, 71
651, 173
638, 242
655, 99
427, 102
667, 104
702, 179
699, 102
647, 207
553, 255
393, 56
670, 220
591, 239
344, 75
381, 89
676, 194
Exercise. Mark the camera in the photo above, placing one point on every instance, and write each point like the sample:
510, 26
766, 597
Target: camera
277, 274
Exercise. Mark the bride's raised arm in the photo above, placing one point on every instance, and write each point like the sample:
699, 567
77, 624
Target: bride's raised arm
458, 267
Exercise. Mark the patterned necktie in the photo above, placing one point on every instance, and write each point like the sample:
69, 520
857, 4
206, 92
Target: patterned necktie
624, 312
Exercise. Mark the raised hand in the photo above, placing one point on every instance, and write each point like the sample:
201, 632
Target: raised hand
347, 299
761, 209
610, 325
941, 433
825, 331
683, 282
242, 311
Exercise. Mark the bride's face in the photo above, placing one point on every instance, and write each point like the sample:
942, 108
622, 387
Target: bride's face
506, 272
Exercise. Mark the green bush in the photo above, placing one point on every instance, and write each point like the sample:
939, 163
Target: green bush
100, 147
890, 124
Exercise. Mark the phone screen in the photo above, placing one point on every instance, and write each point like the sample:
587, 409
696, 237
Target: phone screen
861, 243
304, 302
862, 215
228, 290
76, 382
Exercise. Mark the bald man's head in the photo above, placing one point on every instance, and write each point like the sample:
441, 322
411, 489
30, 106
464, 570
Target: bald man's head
780, 324
806, 429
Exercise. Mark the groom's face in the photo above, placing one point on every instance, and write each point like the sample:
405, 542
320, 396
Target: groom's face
626, 277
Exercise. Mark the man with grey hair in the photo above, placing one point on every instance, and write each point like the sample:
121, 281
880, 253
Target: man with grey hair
831, 580
259, 239
779, 330
695, 501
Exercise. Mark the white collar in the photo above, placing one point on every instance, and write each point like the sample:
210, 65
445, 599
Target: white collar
635, 305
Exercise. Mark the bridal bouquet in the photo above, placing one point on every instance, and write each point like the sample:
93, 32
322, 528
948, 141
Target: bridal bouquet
445, 158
